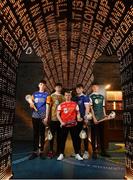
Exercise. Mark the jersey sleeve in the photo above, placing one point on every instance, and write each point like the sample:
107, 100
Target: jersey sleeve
32, 97
103, 101
86, 100
63, 98
59, 108
77, 108
48, 99
51, 100
91, 103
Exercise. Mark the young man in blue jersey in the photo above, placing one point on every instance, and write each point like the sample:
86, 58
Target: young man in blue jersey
41, 101
98, 113
84, 108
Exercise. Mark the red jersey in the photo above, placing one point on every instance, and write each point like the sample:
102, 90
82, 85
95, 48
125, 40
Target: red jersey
68, 113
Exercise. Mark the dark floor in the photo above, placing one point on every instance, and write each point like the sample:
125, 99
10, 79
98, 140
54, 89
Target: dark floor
69, 168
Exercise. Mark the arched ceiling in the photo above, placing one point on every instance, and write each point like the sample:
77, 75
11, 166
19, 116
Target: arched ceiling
68, 35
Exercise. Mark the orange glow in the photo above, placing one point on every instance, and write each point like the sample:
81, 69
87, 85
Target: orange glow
114, 95
23, 115
128, 178
107, 86
114, 105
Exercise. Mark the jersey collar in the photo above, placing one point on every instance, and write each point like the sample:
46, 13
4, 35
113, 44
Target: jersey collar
81, 94
97, 93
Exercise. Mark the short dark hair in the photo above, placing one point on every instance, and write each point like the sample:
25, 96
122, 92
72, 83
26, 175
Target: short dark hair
58, 84
42, 81
79, 86
95, 83
67, 91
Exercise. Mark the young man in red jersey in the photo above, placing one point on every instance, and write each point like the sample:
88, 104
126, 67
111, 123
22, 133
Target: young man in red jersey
68, 115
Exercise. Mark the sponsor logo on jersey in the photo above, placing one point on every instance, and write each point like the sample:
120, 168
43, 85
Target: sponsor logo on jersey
96, 101
56, 102
39, 100
65, 110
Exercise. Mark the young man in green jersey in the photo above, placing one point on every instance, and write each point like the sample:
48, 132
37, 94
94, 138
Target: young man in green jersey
98, 113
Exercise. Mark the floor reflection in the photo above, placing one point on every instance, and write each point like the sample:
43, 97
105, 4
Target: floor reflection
112, 167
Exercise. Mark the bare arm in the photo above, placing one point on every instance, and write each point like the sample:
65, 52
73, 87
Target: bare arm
59, 118
48, 102
47, 110
32, 104
78, 116
87, 108
93, 115
47, 114
104, 111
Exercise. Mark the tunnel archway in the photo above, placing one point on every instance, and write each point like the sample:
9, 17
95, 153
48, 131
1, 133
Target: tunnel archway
68, 36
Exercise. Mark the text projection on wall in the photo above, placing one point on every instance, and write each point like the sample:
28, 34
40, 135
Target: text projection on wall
69, 36
126, 60
8, 66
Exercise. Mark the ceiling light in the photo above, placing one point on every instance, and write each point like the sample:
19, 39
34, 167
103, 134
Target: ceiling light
107, 86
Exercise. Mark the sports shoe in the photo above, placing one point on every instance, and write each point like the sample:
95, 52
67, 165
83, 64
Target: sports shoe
33, 156
86, 155
78, 157
61, 157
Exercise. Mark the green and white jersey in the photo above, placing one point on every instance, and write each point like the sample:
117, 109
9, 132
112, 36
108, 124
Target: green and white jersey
97, 103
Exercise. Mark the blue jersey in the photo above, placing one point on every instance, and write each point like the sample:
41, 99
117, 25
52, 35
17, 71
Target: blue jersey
81, 101
40, 100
